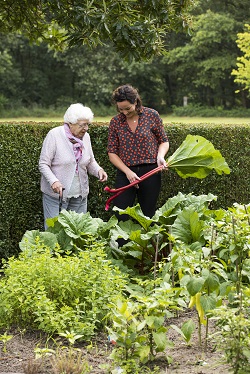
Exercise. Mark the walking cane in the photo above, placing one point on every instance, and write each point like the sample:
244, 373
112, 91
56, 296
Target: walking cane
61, 201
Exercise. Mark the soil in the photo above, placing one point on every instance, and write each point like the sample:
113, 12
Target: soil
19, 357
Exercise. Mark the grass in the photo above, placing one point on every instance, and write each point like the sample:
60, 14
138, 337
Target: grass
166, 119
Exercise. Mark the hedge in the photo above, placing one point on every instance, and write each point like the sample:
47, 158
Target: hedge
21, 203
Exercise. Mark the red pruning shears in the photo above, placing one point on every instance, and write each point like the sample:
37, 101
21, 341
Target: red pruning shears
117, 191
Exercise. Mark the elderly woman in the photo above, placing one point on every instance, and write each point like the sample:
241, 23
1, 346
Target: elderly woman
65, 161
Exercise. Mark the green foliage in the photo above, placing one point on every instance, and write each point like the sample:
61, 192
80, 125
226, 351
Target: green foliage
208, 56
227, 188
196, 157
198, 64
58, 294
220, 267
21, 206
139, 324
233, 337
4, 338
134, 28
76, 291
196, 110
242, 72
148, 239
71, 336
21, 202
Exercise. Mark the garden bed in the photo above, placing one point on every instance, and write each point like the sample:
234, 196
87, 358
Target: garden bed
187, 359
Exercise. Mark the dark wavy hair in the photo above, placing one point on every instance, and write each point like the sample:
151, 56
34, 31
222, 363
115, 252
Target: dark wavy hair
129, 93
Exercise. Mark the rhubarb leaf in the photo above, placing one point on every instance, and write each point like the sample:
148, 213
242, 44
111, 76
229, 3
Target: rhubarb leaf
196, 157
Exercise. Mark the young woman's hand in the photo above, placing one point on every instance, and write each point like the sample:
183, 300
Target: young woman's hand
132, 176
161, 161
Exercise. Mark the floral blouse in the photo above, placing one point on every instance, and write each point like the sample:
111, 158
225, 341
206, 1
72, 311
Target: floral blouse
141, 146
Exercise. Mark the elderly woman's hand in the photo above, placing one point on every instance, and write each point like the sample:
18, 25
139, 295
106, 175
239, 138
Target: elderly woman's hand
57, 187
102, 175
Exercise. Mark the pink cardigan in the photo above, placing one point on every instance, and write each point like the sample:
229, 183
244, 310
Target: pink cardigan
57, 163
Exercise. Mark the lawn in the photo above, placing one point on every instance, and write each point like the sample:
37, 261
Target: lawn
166, 119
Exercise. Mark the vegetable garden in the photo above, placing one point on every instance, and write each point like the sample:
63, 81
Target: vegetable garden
73, 280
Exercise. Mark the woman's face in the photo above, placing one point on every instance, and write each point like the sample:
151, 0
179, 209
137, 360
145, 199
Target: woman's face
78, 129
127, 108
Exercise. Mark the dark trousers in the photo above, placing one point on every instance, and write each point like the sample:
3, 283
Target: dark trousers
146, 195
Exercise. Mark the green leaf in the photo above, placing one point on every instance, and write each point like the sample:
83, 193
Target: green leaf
188, 328
208, 302
160, 340
187, 226
75, 224
197, 157
144, 352
212, 282
135, 212
141, 326
170, 209
30, 239
154, 322
135, 254
246, 353
195, 285
136, 237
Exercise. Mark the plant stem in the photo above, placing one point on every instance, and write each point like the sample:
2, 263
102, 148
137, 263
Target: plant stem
199, 329
248, 217
156, 256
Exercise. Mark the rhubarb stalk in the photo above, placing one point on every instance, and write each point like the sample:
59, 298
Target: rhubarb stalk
117, 191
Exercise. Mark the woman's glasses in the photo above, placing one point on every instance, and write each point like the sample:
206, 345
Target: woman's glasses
83, 125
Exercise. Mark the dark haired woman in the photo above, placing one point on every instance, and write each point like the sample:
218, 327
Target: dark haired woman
137, 144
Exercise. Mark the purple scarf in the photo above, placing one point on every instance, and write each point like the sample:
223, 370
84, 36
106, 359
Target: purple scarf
77, 144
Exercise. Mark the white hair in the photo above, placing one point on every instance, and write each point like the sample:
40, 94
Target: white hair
77, 112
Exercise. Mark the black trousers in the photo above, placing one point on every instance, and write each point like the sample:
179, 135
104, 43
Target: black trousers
146, 195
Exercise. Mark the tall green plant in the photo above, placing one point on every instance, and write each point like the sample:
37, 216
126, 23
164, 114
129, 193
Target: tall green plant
57, 293
140, 324
233, 244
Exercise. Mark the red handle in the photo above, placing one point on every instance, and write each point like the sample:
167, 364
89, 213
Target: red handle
118, 191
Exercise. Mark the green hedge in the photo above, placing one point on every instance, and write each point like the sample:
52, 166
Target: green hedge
21, 204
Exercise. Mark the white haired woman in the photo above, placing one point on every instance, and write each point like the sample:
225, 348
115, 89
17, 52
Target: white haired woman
65, 161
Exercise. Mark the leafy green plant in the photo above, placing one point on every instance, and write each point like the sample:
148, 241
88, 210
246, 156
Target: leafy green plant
139, 324
70, 231
57, 293
186, 254
71, 336
186, 330
233, 337
149, 239
197, 157
43, 352
4, 338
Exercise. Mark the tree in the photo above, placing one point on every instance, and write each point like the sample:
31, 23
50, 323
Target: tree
10, 77
97, 74
202, 67
30, 74
242, 72
135, 27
